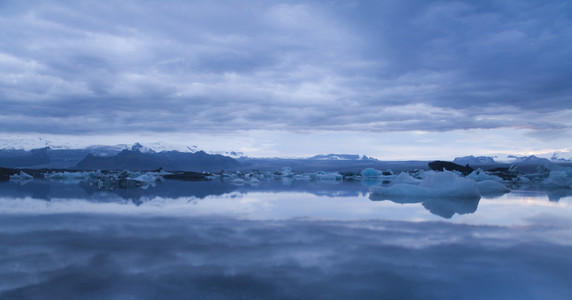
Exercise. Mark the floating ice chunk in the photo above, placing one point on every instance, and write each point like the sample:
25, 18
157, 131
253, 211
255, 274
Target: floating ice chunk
287, 172
433, 185
406, 178
373, 173
71, 177
523, 179
443, 179
557, 180
302, 177
567, 170
369, 173
148, 178
480, 175
22, 176
536, 177
492, 187
321, 175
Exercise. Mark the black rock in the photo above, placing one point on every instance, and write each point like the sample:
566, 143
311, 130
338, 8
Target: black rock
440, 165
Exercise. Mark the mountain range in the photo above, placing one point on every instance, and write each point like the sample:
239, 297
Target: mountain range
139, 157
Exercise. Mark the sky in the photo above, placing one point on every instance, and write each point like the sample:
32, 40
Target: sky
389, 79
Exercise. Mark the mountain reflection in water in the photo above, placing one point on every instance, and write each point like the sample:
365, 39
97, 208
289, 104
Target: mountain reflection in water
197, 190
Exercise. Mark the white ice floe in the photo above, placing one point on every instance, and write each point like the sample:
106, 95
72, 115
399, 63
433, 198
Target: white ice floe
557, 180
287, 172
492, 187
72, 177
22, 176
326, 176
148, 178
433, 185
552, 177
302, 177
480, 175
405, 178
373, 173
522, 179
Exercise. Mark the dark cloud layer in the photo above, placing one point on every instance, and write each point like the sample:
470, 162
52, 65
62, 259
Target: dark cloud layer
89, 67
103, 256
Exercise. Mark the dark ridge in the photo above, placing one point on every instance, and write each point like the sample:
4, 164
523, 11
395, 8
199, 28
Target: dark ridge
440, 165
124, 160
187, 176
25, 158
171, 160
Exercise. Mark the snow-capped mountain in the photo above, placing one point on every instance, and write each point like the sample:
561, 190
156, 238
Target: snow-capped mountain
562, 156
532, 159
474, 160
233, 154
105, 156
341, 157
103, 151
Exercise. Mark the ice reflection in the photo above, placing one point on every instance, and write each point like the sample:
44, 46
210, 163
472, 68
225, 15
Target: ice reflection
270, 200
43, 189
444, 207
556, 195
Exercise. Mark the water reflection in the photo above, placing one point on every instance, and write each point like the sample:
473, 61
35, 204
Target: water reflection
277, 240
443, 207
285, 199
173, 189
556, 195
46, 190
101, 256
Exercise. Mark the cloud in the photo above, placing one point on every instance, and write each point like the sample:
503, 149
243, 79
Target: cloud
225, 66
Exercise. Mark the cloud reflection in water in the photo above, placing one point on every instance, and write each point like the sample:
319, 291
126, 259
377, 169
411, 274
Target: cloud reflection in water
301, 241
95, 256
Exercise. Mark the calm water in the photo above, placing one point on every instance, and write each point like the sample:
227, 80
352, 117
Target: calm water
279, 240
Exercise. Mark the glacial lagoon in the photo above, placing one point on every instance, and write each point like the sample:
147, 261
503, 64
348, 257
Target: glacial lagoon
279, 239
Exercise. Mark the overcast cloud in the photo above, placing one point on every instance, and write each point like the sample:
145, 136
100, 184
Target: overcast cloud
87, 67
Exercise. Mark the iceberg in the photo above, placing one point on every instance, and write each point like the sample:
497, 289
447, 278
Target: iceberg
522, 179
445, 184
127, 179
326, 176
302, 177
22, 176
492, 188
373, 173
480, 175
557, 180
148, 178
287, 172
405, 178
67, 177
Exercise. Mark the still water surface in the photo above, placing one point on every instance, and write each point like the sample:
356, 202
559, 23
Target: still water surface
279, 240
